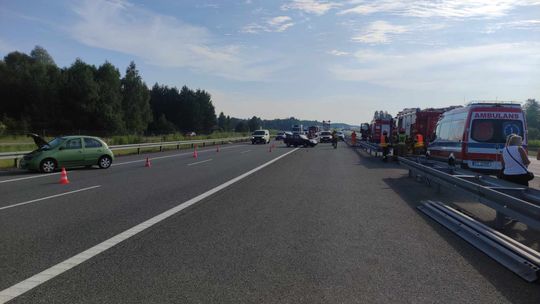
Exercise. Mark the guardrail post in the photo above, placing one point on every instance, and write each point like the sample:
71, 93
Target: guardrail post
15, 162
191, 145
204, 144
178, 147
138, 150
160, 148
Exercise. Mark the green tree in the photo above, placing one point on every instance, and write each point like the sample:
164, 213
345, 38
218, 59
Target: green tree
41, 55
80, 95
254, 123
135, 101
241, 126
110, 116
532, 113
222, 122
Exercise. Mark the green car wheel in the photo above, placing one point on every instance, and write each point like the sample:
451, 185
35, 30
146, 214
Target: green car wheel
104, 162
47, 165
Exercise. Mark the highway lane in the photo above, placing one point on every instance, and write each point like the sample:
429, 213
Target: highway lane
35, 236
318, 226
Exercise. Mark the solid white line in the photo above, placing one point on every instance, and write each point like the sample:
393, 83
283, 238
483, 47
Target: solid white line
48, 197
42, 277
202, 161
245, 151
28, 177
118, 164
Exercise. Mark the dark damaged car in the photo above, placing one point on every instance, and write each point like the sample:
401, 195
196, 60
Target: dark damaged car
297, 139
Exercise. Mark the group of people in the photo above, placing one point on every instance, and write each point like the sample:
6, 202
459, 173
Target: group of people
402, 144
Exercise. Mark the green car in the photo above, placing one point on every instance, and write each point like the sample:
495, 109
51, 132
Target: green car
67, 151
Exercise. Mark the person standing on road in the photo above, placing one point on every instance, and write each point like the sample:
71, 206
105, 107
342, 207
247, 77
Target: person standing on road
353, 138
515, 162
384, 145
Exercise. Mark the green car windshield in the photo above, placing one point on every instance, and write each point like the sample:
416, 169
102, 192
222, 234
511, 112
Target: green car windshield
54, 143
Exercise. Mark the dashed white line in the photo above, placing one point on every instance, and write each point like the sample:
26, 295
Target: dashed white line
200, 162
247, 151
48, 197
42, 277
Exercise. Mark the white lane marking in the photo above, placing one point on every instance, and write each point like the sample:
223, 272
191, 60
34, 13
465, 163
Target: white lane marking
42, 277
174, 155
48, 197
28, 177
245, 151
117, 164
202, 161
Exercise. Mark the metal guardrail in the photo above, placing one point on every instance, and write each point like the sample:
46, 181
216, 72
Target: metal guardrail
508, 200
515, 256
17, 155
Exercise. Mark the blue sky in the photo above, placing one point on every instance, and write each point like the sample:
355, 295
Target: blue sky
312, 59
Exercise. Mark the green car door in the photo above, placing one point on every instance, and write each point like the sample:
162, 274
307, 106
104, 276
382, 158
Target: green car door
71, 153
93, 149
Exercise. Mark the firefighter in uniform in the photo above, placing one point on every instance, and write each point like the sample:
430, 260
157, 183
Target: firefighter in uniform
419, 145
353, 138
384, 145
401, 145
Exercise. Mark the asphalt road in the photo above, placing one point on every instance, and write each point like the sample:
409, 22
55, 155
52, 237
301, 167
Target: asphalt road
317, 225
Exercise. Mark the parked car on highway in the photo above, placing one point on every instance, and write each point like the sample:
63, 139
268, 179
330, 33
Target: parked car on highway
260, 136
280, 136
325, 137
340, 135
67, 151
296, 139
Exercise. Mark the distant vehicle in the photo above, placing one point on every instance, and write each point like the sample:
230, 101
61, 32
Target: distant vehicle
325, 137
313, 131
296, 139
298, 129
475, 135
260, 136
67, 151
422, 121
280, 136
191, 134
381, 122
365, 131
340, 135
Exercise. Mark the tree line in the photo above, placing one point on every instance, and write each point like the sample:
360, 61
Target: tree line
38, 96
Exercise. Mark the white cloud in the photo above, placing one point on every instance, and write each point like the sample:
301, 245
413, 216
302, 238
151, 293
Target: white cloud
518, 24
338, 53
161, 40
310, 6
379, 32
442, 8
276, 24
491, 66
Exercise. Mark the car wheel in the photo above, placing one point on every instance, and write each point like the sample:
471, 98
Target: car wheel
47, 165
305, 145
104, 162
288, 145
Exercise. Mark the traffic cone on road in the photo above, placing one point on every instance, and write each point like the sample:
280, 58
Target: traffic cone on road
147, 164
195, 155
270, 149
217, 149
63, 177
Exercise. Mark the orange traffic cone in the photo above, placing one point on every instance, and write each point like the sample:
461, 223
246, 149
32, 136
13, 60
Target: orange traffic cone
195, 155
270, 149
217, 149
63, 177
147, 163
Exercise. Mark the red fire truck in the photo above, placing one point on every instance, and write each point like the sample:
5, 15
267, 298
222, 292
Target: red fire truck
382, 121
422, 121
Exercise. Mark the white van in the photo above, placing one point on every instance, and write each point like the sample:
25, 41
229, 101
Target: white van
260, 136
